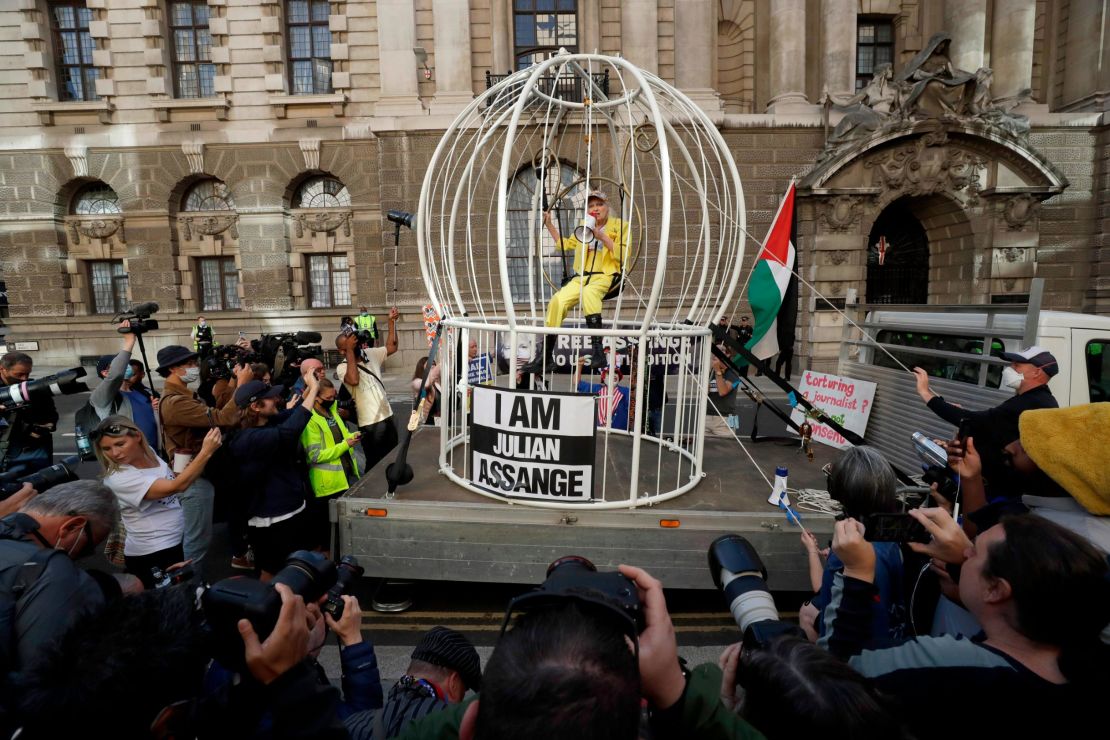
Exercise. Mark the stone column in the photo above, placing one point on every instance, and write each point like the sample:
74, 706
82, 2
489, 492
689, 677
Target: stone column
838, 63
396, 39
788, 54
454, 88
589, 26
501, 16
640, 33
966, 21
695, 44
1012, 46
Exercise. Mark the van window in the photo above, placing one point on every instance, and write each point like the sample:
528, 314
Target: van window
1098, 372
963, 371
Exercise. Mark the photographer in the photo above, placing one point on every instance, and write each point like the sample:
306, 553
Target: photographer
147, 491
186, 420
568, 671
266, 450
361, 372
41, 590
114, 394
863, 483
137, 669
26, 441
1042, 595
308, 365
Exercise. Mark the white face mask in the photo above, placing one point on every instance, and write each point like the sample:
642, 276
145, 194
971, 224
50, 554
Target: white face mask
191, 375
1011, 378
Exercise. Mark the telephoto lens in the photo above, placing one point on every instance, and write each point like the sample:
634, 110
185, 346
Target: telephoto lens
739, 573
65, 383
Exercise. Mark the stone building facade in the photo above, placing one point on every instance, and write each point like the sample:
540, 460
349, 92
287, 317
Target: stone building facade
237, 157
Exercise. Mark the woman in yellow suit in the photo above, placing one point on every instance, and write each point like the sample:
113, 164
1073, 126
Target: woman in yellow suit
597, 265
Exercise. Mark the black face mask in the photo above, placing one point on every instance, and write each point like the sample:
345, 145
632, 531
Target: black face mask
326, 405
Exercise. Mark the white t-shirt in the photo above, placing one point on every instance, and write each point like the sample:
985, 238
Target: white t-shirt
152, 524
370, 399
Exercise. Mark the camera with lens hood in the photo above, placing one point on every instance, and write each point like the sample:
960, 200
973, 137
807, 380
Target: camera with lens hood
308, 574
575, 577
41, 480
138, 318
739, 573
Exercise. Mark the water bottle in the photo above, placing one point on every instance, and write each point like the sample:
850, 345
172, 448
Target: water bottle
778, 493
84, 446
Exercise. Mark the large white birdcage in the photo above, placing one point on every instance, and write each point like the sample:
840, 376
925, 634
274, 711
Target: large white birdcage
540, 140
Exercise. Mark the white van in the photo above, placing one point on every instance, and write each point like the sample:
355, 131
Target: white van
959, 348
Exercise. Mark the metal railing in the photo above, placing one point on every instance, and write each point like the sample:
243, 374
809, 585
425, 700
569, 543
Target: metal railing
569, 87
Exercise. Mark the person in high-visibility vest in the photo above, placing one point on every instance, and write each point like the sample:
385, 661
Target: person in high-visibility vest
332, 467
203, 339
366, 321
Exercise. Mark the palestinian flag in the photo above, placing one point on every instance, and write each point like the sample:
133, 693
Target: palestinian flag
773, 289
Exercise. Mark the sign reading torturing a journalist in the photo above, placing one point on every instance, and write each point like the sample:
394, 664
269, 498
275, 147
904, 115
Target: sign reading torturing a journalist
533, 445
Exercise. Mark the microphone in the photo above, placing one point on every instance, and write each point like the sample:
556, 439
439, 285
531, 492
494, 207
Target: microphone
307, 337
145, 309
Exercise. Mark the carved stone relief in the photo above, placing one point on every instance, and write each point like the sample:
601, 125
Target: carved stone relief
95, 228
1019, 210
929, 165
841, 213
322, 221
210, 225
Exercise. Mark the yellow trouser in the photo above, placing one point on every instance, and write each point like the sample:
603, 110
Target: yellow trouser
567, 298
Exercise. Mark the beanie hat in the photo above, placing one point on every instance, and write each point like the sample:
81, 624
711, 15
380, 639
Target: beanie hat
1069, 445
450, 649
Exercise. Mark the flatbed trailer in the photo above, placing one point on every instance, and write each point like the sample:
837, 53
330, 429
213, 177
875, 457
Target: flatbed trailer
436, 530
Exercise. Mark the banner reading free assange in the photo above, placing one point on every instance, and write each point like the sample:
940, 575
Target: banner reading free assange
533, 445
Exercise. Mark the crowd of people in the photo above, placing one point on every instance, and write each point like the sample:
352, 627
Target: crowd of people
996, 624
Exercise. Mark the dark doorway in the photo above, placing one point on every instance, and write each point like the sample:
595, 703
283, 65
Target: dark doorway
903, 276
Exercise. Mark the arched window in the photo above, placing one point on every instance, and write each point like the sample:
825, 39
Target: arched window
208, 195
322, 192
95, 198
525, 220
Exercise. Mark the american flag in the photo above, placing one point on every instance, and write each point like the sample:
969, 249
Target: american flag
607, 404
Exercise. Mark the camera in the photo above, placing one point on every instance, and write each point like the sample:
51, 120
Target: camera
308, 574
284, 352
401, 218
65, 383
739, 573
40, 480
347, 570
364, 335
934, 464
139, 318
575, 577
221, 364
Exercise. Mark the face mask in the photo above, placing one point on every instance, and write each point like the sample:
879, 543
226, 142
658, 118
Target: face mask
87, 548
1011, 378
326, 405
129, 373
364, 313
192, 375
203, 324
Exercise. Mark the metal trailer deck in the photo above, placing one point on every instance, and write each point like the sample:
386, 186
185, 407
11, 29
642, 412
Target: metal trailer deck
437, 530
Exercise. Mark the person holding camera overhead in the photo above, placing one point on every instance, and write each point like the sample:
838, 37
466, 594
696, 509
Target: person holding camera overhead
267, 451
186, 420
26, 442
147, 491
361, 372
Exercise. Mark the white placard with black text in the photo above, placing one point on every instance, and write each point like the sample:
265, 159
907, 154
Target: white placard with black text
532, 445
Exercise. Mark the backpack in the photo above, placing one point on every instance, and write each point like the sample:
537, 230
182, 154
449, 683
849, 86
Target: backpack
88, 419
15, 580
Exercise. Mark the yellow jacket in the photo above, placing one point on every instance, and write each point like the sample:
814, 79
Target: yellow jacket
596, 257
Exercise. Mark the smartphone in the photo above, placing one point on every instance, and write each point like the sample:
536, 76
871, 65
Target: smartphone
894, 528
965, 431
929, 451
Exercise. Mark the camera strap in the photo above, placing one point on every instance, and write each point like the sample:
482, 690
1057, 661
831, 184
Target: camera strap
5, 443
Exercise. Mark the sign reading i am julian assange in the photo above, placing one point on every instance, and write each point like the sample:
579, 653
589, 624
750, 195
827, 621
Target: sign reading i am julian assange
533, 445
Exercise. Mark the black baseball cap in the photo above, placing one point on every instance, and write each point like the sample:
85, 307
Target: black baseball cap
256, 390
1035, 356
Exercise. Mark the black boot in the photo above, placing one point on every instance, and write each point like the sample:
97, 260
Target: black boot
597, 352
544, 355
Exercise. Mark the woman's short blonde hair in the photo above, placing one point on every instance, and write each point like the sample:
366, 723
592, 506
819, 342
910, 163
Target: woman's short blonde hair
133, 430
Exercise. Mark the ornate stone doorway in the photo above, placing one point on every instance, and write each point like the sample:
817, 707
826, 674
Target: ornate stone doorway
897, 257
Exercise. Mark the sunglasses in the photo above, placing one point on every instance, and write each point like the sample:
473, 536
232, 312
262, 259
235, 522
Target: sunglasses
112, 430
